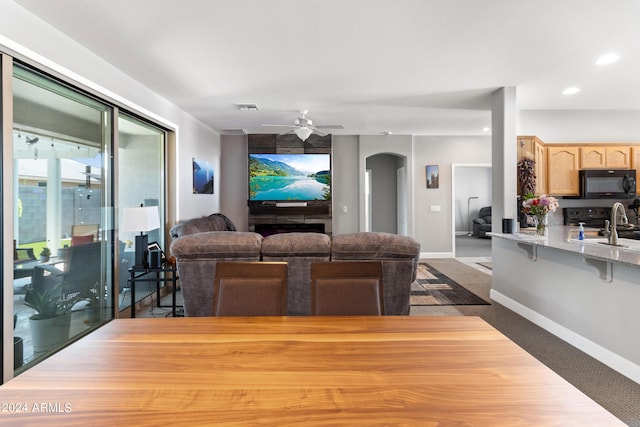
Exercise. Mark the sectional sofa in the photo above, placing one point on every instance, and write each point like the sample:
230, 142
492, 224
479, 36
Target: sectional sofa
198, 245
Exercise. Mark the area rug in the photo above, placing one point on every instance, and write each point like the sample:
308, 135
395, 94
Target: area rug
485, 264
433, 287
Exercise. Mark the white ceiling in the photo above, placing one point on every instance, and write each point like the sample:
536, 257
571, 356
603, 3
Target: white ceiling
422, 67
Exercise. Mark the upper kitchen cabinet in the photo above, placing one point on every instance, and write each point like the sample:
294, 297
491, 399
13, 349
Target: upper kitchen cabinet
600, 157
533, 147
635, 158
563, 166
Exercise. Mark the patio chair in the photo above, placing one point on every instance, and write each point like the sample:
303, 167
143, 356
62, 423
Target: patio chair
82, 272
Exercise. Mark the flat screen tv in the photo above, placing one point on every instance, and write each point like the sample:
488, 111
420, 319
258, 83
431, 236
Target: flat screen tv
289, 177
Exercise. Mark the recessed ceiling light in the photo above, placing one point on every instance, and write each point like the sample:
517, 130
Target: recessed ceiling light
571, 90
486, 129
607, 59
247, 107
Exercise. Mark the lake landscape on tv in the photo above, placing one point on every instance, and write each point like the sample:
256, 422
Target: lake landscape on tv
289, 177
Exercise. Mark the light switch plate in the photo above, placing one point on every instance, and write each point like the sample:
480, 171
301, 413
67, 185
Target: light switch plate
434, 208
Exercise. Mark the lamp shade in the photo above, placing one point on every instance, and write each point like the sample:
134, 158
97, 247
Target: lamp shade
303, 132
144, 218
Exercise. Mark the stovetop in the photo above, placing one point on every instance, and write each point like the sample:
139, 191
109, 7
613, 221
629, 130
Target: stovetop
595, 218
592, 217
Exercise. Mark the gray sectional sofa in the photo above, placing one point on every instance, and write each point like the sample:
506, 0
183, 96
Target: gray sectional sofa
198, 245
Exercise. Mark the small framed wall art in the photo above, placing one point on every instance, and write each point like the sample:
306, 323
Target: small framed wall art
433, 176
202, 176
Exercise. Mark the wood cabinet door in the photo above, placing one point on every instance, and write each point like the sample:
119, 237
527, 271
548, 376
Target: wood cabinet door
562, 170
619, 157
539, 155
593, 157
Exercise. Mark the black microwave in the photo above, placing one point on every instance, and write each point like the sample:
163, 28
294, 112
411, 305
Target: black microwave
608, 183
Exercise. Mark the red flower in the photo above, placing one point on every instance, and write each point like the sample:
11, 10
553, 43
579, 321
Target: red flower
535, 202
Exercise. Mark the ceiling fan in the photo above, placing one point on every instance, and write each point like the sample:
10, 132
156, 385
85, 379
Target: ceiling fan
303, 127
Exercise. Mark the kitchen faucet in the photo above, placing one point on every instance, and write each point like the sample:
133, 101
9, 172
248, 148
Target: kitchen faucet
610, 228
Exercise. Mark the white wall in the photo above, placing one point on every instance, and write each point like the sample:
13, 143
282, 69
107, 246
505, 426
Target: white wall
234, 179
581, 126
345, 189
434, 230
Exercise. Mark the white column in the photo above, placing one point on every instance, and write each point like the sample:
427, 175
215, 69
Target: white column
503, 156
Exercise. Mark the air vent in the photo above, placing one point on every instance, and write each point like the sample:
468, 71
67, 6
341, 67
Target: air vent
247, 107
234, 131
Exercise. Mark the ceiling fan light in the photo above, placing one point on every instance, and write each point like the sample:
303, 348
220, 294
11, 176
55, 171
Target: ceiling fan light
303, 133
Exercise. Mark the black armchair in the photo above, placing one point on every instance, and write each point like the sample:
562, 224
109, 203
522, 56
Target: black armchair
81, 273
482, 223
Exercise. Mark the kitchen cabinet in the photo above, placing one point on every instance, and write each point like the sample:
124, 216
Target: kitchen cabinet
619, 157
593, 157
563, 164
600, 157
635, 158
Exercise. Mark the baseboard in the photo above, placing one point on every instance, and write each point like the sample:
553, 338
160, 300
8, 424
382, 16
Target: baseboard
436, 255
612, 360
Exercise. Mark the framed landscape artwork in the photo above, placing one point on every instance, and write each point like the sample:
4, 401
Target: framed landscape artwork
433, 176
202, 177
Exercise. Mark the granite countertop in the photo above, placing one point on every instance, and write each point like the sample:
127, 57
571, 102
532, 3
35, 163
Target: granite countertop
565, 238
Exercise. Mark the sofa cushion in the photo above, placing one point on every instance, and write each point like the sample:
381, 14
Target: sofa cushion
373, 245
217, 245
296, 244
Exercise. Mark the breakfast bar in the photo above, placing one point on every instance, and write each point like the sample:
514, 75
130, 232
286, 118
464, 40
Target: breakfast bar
585, 292
298, 370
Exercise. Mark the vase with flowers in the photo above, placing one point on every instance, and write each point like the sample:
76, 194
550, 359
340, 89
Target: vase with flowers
539, 207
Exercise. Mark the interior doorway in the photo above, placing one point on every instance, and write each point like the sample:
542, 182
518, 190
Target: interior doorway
386, 193
471, 191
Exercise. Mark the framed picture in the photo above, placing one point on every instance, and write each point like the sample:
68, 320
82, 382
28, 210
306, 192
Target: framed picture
154, 246
202, 176
433, 176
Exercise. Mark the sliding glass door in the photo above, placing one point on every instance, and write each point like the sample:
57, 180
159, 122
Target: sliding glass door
141, 182
62, 214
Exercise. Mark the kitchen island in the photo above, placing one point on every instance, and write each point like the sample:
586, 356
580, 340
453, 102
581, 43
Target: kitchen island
584, 292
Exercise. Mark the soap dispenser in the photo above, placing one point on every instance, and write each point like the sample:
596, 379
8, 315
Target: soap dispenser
581, 231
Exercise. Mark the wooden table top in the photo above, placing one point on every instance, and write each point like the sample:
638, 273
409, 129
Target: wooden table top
296, 371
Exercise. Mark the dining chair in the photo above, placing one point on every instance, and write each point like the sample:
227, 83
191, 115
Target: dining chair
349, 288
250, 289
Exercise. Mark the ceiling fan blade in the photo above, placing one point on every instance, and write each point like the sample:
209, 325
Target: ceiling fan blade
329, 126
280, 126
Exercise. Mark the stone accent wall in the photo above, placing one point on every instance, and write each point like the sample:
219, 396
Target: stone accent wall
317, 211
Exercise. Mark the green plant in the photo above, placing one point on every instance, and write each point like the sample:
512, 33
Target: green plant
47, 304
45, 252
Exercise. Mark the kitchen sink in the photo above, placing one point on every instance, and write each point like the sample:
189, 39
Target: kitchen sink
624, 244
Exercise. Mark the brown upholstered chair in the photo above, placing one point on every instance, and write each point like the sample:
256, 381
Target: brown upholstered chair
350, 288
250, 289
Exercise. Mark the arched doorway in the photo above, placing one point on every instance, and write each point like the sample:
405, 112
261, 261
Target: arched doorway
386, 193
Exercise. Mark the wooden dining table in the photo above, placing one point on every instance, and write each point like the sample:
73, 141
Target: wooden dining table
296, 371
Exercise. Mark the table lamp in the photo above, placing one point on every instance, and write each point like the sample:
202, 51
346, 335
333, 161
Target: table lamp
140, 219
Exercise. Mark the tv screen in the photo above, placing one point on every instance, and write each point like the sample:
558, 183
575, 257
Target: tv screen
296, 177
